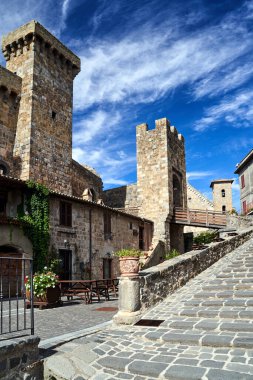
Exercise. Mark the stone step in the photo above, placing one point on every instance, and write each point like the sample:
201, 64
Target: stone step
237, 302
226, 294
222, 287
201, 338
217, 313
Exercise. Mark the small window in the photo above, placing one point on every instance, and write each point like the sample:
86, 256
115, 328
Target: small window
130, 225
223, 193
107, 225
3, 202
242, 181
53, 115
65, 214
223, 208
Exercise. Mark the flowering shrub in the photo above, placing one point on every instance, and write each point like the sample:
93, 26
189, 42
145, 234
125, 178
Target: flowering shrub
41, 281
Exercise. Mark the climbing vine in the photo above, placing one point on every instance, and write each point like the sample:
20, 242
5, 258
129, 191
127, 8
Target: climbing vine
34, 216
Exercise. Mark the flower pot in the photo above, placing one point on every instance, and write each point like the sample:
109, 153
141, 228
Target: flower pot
51, 298
129, 266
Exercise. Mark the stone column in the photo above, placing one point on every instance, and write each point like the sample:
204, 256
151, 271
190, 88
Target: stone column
129, 301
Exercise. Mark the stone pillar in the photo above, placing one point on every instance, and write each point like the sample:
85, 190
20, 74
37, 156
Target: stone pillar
129, 301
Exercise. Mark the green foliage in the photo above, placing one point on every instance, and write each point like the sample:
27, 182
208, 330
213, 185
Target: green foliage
127, 252
171, 254
205, 237
233, 212
35, 221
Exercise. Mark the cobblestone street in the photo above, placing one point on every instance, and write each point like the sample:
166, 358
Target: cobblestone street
207, 333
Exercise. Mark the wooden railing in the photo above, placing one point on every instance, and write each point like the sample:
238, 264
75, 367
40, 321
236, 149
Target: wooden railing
201, 218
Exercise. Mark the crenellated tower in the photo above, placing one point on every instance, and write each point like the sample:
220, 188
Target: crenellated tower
43, 143
161, 178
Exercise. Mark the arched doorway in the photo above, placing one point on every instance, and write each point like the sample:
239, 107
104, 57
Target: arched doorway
11, 269
177, 192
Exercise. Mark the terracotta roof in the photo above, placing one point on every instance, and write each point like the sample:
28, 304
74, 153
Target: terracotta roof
244, 161
11, 181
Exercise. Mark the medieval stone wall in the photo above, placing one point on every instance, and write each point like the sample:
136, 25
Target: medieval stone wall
222, 195
124, 234
124, 197
160, 158
44, 129
83, 178
10, 89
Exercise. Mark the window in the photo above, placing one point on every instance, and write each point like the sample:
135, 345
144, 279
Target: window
3, 201
130, 225
53, 115
242, 181
223, 193
107, 225
223, 208
3, 168
244, 207
65, 214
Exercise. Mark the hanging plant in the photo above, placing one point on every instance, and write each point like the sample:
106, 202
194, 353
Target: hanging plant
34, 216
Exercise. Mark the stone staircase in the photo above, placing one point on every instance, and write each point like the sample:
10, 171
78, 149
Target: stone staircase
206, 333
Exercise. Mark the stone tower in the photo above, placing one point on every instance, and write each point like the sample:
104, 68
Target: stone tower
161, 179
43, 142
222, 194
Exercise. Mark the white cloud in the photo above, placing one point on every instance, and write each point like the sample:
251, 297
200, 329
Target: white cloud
149, 61
194, 175
236, 110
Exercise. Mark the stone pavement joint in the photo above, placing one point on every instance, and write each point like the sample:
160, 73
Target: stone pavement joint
207, 334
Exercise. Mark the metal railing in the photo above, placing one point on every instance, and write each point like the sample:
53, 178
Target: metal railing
14, 316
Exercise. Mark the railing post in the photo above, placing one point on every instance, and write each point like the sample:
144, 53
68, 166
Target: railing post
207, 218
129, 301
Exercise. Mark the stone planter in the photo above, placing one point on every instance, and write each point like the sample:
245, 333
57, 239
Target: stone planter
129, 266
50, 299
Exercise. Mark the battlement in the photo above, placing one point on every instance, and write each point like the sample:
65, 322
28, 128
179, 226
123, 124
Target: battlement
34, 36
159, 125
9, 82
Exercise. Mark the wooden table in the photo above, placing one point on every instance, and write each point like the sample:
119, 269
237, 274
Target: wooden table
89, 289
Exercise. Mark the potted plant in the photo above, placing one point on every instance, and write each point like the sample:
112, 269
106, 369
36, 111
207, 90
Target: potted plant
128, 261
46, 290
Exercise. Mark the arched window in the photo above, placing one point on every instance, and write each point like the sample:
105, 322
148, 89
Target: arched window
223, 208
177, 191
223, 193
3, 168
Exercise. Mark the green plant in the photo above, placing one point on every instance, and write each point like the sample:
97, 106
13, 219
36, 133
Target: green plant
127, 252
41, 281
233, 212
205, 237
173, 253
35, 221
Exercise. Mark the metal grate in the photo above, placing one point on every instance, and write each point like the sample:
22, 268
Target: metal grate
149, 322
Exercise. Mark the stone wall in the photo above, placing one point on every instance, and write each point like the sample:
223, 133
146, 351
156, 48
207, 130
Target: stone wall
10, 89
160, 159
97, 246
43, 144
124, 197
158, 282
19, 359
84, 178
222, 195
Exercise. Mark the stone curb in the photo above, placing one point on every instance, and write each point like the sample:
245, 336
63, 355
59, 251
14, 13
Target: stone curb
58, 340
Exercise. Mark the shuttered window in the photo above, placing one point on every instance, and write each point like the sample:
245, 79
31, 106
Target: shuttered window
65, 214
242, 181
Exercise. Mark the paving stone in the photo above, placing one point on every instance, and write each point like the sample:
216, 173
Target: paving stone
211, 364
146, 368
180, 372
118, 364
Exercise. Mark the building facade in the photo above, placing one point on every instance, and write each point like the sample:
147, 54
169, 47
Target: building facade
245, 171
222, 195
36, 104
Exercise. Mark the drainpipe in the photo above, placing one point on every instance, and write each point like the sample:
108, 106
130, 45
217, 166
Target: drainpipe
90, 241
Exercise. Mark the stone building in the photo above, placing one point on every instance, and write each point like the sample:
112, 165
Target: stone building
161, 182
245, 171
36, 103
222, 194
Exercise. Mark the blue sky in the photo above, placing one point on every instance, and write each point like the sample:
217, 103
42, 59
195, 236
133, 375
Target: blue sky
189, 61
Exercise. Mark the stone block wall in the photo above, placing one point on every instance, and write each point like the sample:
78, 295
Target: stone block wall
19, 359
84, 178
43, 142
158, 282
124, 197
10, 89
222, 195
97, 246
